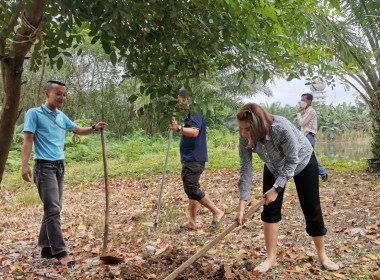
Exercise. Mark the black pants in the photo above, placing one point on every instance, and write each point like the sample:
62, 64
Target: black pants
307, 185
191, 172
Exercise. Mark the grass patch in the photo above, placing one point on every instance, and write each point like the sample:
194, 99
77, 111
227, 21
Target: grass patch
28, 197
138, 154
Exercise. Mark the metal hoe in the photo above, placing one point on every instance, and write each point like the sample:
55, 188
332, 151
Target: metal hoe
163, 178
200, 253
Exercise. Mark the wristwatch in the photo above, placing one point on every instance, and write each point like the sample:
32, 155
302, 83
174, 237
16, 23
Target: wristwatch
277, 188
93, 127
179, 128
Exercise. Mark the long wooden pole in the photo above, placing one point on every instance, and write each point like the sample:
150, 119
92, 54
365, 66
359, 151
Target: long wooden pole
200, 253
105, 238
163, 178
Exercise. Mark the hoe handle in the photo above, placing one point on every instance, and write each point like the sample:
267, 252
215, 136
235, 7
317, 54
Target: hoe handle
105, 238
200, 253
163, 178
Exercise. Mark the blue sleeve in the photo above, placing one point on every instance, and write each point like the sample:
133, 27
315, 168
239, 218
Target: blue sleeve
68, 123
196, 121
30, 124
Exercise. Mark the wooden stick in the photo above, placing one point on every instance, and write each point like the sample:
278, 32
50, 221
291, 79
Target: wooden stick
163, 178
200, 253
105, 238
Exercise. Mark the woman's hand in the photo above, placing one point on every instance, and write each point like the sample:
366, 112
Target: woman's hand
240, 213
270, 195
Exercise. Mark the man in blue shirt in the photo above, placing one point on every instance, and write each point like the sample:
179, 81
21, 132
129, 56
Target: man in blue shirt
45, 128
193, 150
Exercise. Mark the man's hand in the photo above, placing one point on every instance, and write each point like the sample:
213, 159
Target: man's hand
270, 195
26, 173
101, 125
300, 109
174, 126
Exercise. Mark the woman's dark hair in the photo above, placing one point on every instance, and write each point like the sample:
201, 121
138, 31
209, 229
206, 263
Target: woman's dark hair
259, 119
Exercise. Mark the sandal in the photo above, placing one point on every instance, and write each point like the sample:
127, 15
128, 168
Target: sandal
330, 265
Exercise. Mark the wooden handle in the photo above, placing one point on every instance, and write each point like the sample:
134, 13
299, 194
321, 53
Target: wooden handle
200, 253
105, 238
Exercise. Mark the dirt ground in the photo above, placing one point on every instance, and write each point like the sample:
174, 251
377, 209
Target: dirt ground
350, 203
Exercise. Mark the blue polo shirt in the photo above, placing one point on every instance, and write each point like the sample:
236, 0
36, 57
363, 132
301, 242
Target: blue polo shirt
49, 139
194, 148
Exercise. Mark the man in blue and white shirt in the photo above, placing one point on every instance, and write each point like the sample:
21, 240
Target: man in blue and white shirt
45, 129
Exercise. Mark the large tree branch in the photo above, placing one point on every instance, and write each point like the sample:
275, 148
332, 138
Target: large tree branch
367, 87
365, 98
26, 35
372, 27
352, 75
365, 24
10, 28
362, 65
13, 21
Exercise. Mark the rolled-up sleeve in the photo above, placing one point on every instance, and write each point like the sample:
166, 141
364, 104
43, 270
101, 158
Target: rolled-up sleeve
245, 180
289, 146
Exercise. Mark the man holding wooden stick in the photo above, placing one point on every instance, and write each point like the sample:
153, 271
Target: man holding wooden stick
45, 128
193, 150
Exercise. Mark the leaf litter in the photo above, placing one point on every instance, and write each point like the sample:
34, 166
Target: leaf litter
350, 205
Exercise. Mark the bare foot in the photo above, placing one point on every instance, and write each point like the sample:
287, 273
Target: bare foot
191, 226
66, 260
330, 265
265, 266
217, 217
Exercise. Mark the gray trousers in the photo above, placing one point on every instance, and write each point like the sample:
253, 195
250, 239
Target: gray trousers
48, 178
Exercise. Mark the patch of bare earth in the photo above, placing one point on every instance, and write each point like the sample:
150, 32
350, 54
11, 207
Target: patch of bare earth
350, 203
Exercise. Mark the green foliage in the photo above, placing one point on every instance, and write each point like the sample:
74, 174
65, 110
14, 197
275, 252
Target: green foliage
140, 154
14, 161
287, 111
167, 44
333, 121
352, 34
28, 197
83, 122
18, 137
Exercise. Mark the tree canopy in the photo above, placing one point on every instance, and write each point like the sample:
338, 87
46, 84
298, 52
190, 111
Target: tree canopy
164, 44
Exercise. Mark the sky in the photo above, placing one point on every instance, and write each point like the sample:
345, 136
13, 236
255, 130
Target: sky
290, 93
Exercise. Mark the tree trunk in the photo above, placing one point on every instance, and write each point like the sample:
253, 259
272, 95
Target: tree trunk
374, 163
11, 71
11, 77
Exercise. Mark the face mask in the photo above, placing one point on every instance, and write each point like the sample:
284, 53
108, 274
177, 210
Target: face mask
303, 104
